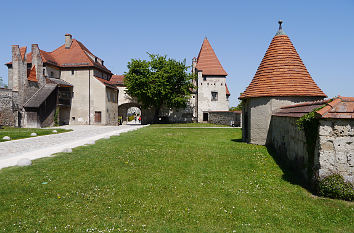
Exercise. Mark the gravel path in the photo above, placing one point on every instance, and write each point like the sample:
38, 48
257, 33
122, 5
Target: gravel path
44, 146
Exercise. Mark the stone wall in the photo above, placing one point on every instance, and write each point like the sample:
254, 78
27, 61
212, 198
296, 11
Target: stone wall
336, 148
7, 111
225, 118
289, 143
334, 153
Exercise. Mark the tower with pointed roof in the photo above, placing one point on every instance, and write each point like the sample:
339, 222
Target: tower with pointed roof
281, 79
211, 92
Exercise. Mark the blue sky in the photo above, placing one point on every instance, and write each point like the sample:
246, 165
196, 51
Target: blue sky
322, 31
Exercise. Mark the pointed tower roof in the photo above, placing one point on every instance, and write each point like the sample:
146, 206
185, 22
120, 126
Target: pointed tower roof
282, 72
208, 62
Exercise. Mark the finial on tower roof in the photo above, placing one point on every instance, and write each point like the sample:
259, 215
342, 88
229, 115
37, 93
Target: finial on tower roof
280, 22
280, 31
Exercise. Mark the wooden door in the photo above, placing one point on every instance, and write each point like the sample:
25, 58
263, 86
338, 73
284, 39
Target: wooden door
98, 117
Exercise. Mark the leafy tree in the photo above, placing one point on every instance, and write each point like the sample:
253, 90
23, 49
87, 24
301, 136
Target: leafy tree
1, 82
238, 108
158, 82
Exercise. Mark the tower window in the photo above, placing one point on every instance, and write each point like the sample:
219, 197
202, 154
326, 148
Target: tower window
214, 96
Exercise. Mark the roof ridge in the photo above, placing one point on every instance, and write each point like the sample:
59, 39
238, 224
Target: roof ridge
34, 95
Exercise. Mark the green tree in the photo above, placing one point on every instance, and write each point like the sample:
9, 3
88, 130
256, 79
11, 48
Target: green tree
1, 82
238, 108
158, 82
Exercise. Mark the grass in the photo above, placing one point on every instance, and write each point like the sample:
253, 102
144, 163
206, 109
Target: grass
189, 125
166, 180
20, 133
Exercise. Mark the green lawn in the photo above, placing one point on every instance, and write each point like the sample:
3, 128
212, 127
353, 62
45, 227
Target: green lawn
189, 125
19, 133
166, 180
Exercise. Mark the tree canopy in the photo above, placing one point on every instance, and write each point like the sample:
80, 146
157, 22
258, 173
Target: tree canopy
158, 82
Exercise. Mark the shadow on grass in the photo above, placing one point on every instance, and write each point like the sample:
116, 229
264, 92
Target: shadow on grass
290, 174
237, 140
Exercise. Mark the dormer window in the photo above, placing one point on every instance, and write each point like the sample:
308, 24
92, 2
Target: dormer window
102, 62
95, 59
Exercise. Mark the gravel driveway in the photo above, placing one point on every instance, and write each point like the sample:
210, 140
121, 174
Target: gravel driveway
43, 146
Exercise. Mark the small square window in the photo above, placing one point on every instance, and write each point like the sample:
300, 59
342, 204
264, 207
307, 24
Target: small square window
214, 96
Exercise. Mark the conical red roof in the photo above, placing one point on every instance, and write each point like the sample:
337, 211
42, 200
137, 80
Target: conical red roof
282, 73
208, 62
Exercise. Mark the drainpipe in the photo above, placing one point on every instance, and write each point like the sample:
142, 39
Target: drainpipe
89, 110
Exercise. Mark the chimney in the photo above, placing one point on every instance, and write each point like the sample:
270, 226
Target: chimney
68, 40
194, 64
19, 73
38, 63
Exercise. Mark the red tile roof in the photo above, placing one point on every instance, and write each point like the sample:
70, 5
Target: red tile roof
227, 90
282, 73
208, 62
339, 107
107, 83
32, 76
117, 79
75, 56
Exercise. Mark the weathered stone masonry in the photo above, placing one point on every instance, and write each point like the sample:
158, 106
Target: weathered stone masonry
336, 148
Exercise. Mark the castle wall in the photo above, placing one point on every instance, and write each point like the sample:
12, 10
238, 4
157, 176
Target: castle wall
225, 118
336, 148
7, 111
289, 143
334, 153
258, 112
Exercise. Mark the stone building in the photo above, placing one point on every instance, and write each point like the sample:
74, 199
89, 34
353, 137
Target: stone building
211, 92
281, 79
70, 83
334, 150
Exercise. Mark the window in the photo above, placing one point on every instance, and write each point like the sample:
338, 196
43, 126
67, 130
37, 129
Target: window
51, 74
43, 72
72, 72
204, 78
73, 118
214, 96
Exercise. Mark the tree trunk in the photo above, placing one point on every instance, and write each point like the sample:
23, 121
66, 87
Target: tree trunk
156, 115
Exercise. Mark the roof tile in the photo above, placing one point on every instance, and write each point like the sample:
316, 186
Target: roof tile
208, 62
282, 73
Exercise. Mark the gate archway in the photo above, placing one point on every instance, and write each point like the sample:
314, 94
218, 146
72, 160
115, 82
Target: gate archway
123, 113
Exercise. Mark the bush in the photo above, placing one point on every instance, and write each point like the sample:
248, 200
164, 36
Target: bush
334, 186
